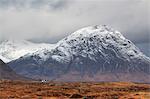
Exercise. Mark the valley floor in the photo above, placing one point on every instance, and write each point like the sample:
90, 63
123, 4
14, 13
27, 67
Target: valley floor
83, 90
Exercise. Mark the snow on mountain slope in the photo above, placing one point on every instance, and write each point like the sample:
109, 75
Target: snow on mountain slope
87, 53
88, 41
92, 39
13, 49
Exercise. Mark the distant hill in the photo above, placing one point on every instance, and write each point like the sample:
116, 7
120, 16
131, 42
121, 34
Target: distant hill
7, 73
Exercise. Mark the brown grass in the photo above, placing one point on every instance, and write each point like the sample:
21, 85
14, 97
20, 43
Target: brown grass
58, 90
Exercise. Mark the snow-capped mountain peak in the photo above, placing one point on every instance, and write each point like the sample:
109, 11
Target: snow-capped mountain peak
95, 52
88, 42
13, 49
96, 39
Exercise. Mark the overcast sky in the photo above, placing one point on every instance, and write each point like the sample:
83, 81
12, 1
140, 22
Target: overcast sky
51, 20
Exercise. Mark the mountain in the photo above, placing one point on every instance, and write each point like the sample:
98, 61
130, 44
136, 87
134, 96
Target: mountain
95, 53
7, 73
14, 49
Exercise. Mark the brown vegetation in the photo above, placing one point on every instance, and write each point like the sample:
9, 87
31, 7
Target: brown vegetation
83, 90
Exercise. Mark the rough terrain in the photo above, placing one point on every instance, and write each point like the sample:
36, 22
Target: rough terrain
83, 90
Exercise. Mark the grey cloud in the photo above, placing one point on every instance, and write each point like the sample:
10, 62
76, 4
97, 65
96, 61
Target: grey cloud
20, 4
145, 48
55, 19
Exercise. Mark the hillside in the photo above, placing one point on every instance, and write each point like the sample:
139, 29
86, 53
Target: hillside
7, 73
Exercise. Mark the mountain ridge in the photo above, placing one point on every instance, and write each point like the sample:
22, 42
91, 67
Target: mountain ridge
14, 49
90, 52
